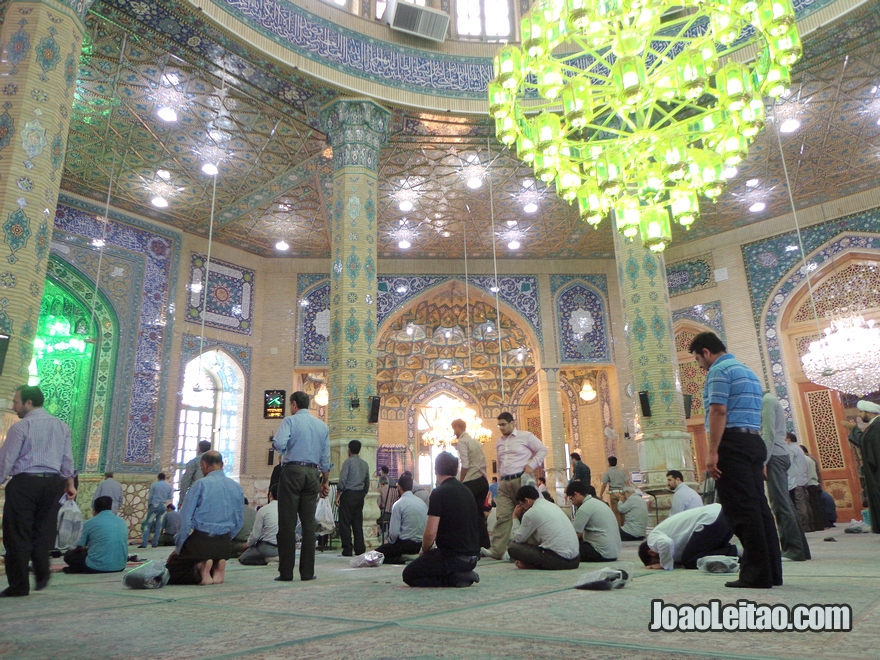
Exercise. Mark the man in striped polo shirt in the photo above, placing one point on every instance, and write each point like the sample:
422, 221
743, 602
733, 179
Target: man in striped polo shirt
732, 396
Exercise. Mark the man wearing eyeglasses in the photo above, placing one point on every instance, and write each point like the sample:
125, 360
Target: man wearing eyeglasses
519, 453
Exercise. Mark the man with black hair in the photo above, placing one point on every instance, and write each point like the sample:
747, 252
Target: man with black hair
735, 459
614, 481
262, 544
452, 525
304, 444
170, 526
192, 472
684, 497
545, 539
580, 471
409, 517
37, 454
685, 538
158, 498
594, 523
354, 483
473, 473
103, 545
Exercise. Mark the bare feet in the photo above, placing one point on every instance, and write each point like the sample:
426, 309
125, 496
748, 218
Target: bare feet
219, 572
523, 565
205, 571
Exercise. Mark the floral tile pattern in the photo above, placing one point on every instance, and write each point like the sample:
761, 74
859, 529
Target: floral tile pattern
705, 314
582, 324
690, 275
228, 301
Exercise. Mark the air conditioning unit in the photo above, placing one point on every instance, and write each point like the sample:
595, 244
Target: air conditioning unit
422, 22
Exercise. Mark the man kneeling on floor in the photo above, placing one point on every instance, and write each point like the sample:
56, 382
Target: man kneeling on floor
452, 523
103, 545
595, 524
545, 539
212, 512
409, 517
687, 536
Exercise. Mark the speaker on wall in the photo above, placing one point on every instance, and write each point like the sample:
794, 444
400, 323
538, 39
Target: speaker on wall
646, 404
375, 402
688, 400
4, 345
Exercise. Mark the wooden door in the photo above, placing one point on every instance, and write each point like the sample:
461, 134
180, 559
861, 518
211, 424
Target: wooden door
828, 442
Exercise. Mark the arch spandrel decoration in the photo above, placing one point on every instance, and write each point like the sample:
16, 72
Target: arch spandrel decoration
523, 391
429, 392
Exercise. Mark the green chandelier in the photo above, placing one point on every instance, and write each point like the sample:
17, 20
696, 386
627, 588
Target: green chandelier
630, 105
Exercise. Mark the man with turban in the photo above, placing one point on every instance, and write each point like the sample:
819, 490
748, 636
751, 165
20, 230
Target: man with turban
868, 442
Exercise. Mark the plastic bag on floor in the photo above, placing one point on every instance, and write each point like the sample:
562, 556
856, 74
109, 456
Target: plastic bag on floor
324, 517
70, 523
857, 527
152, 575
718, 564
606, 578
369, 559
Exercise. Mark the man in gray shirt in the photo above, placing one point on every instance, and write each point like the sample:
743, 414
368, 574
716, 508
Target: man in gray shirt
109, 488
409, 517
545, 539
635, 509
473, 473
594, 524
171, 525
193, 471
614, 480
792, 539
354, 483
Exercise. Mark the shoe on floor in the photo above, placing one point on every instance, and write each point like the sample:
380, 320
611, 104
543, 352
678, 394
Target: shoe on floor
739, 584
8, 594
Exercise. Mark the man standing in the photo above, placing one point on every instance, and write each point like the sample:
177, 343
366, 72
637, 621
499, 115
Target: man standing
451, 524
103, 545
213, 513
594, 523
635, 511
797, 482
545, 540
519, 453
868, 442
192, 473
304, 443
354, 483
38, 456
262, 544
580, 471
614, 480
735, 459
160, 495
473, 473
409, 517
112, 489
684, 497
791, 536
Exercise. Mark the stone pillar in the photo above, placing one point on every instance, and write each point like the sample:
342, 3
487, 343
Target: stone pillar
552, 429
356, 129
665, 442
41, 44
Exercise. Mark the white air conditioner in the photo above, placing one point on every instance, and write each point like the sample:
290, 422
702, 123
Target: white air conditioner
420, 21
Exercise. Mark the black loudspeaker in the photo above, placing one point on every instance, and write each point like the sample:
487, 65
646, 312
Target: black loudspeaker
375, 402
688, 400
646, 404
4, 345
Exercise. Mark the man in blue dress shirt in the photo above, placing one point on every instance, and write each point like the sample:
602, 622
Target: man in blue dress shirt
210, 517
732, 396
103, 545
304, 444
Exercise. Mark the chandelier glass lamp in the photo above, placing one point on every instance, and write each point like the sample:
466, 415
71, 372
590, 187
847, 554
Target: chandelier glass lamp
847, 357
636, 105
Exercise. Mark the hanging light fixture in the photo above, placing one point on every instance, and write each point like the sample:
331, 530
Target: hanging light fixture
322, 397
588, 392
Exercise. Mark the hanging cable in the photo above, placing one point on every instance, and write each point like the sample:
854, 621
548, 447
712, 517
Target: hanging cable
495, 269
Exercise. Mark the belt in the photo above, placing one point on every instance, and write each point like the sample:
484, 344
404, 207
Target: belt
303, 463
47, 475
743, 429
511, 477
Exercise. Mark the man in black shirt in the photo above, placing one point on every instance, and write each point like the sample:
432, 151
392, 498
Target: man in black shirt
451, 522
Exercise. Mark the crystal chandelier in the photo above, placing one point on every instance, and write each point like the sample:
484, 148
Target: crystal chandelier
625, 104
847, 358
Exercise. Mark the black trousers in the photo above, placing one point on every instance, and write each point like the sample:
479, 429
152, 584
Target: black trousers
541, 558
30, 521
480, 488
199, 547
439, 569
298, 490
626, 536
394, 551
75, 558
351, 521
741, 493
713, 539
590, 554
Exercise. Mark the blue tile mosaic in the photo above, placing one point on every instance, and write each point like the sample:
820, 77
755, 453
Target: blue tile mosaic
230, 295
708, 314
690, 275
314, 323
598, 281
518, 400
582, 324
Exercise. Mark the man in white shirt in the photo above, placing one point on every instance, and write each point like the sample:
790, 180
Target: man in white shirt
685, 497
545, 539
262, 543
409, 517
635, 510
797, 482
594, 523
685, 538
519, 453
473, 473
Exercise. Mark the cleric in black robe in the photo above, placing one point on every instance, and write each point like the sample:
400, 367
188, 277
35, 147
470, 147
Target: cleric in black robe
868, 442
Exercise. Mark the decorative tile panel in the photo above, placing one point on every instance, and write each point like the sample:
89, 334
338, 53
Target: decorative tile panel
314, 324
690, 275
582, 324
707, 314
230, 295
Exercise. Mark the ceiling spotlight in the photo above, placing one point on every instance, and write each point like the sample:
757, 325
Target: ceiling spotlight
789, 126
167, 114
409, 330
282, 245
474, 182
405, 206
210, 169
98, 242
530, 208
445, 233
404, 244
447, 334
159, 202
165, 175
757, 207
751, 183
511, 223
513, 245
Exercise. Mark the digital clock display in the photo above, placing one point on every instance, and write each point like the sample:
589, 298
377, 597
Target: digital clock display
273, 404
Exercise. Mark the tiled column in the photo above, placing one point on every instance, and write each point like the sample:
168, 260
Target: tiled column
665, 443
552, 428
41, 44
356, 131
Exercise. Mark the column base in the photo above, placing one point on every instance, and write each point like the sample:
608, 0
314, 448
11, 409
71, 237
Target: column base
664, 451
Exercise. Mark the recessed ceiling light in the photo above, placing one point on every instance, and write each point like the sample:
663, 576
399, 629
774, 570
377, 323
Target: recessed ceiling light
511, 223
751, 183
406, 205
98, 242
447, 334
445, 233
210, 169
530, 207
474, 182
163, 174
513, 245
757, 207
282, 245
159, 202
167, 114
404, 244
789, 126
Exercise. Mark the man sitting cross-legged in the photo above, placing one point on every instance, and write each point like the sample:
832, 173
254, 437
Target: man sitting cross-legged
103, 545
594, 523
545, 539
212, 511
409, 516
262, 544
